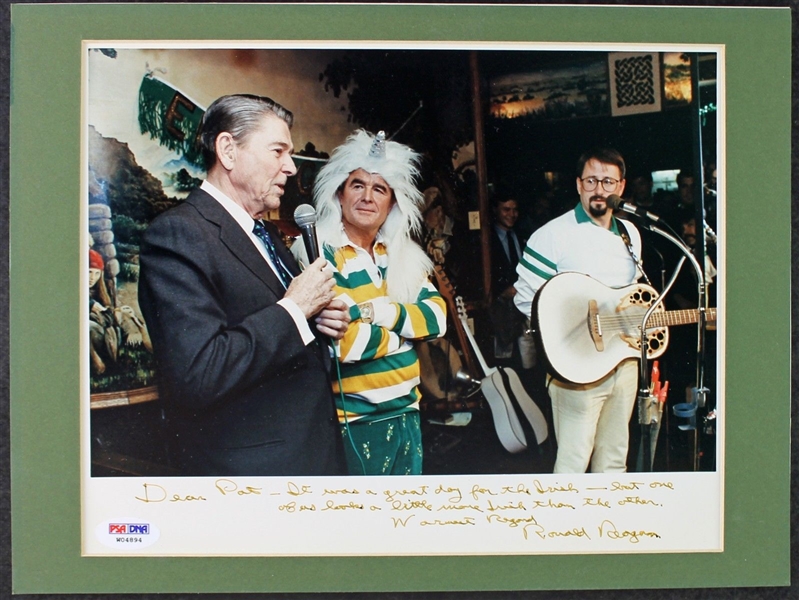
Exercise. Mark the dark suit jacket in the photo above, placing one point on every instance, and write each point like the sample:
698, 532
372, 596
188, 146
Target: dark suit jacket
243, 395
506, 320
503, 273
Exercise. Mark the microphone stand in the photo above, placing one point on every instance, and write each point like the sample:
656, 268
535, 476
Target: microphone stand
646, 402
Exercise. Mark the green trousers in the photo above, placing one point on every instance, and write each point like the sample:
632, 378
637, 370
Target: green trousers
389, 447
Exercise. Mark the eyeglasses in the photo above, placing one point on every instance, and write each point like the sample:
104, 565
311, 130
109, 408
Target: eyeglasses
608, 183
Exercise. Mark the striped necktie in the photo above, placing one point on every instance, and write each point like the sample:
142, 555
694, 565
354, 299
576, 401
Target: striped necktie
262, 234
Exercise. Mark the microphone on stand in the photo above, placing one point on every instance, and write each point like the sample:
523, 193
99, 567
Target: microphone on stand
305, 218
616, 203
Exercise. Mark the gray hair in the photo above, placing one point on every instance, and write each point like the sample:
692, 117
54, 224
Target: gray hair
239, 115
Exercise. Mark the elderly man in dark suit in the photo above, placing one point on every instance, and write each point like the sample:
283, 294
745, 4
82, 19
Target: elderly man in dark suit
237, 331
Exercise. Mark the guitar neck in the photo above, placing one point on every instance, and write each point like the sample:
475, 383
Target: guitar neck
679, 317
475, 348
446, 290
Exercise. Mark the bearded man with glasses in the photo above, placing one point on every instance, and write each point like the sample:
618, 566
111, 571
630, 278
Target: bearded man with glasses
591, 420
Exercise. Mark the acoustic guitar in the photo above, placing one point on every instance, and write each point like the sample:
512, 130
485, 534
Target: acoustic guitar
586, 328
501, 387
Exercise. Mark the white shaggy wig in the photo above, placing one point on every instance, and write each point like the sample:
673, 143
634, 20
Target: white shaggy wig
408, 265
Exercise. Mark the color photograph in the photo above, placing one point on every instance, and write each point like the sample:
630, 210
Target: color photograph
471, 291
145, 109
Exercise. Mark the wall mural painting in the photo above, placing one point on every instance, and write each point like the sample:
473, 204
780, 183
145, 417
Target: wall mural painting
123, 197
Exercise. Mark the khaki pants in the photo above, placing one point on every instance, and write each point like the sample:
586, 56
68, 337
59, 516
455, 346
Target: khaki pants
592, 421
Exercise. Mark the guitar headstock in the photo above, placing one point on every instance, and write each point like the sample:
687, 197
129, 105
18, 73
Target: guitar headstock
444, 285
461, 306
447, 291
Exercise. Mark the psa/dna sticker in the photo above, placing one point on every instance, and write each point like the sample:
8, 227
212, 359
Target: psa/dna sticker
127, 534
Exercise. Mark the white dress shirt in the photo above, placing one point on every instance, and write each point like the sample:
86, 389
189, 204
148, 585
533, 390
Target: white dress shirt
246, 222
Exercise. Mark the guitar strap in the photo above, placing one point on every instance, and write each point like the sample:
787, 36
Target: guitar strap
625, 237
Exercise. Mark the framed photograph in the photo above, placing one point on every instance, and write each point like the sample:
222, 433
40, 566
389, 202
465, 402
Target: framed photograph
705, 494
569, 92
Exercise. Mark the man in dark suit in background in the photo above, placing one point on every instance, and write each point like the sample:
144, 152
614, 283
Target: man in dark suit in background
244, 378
506, 248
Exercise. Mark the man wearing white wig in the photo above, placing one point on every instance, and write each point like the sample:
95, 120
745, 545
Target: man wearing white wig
368, 207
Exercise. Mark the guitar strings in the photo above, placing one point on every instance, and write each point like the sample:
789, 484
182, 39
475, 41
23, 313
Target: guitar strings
656, 321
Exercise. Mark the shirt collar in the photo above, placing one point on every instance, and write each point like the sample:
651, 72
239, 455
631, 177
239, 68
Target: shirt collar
502, 233
240, 215
582, 217
379, 240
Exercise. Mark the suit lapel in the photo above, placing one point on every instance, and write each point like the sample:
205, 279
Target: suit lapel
282, 251
238, 242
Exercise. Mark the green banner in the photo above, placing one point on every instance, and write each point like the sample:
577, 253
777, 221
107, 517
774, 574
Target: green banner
171, 117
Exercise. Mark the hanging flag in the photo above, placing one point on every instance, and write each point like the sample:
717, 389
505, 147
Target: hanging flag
174, 119
170, 117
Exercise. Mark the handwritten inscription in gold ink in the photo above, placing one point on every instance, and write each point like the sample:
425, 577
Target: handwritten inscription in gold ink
157, 493
392, 494
551, 504
596, 502
187, 498
498, 507
330, 505
542, 511
479, 491
411, 505
401, 522
524, 523
464, 521
637, 500
474, 507
617, 486
344, 491
661, 484
455, 493
152, 493
228, 486
292, 507
608, 529
519, 489
575, 532
554, 489
298, 490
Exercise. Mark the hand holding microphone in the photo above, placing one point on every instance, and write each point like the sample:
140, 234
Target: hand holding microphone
312, 289
332, 315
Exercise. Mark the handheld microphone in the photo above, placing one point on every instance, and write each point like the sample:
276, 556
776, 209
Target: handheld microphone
305, 218
613, 201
